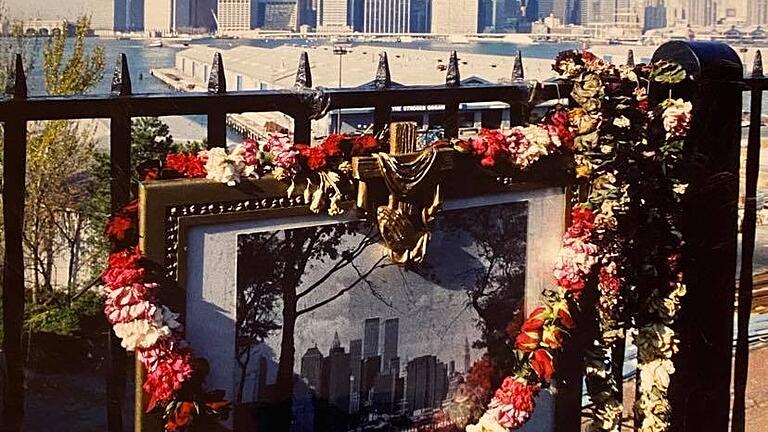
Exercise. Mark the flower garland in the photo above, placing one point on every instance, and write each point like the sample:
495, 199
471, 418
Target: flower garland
174, 381
174, 378
611, 127
633, 179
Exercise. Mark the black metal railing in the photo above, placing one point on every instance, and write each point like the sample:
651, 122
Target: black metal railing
302, 103
715, 97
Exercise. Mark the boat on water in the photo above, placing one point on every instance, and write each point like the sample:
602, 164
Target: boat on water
155, 44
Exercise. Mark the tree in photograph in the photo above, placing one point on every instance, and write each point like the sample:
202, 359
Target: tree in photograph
275, 269
498, 235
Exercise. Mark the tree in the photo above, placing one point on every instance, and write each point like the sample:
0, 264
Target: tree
497, 233
60, 158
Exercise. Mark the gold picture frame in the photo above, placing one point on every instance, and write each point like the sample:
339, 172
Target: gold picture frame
168, 209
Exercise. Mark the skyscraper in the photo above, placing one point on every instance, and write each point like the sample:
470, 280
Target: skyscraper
234, 15
280, 15
107, 15
371, 337
166, 16
391, 336
311, 363
387, 16
355, 368
356, 15
701, 12
202, 14
332, 16
421, 16
454, 16
134, 11
497, 15
467, 358
655, 16
757, 11
426, 383
334, 385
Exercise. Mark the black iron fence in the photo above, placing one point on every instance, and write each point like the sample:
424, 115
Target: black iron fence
711, 232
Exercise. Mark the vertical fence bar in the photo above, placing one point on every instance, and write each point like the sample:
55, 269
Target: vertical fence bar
382, 113
519, 110
217, 116
302, 124
452, 79
747, 253
700, 388
14, 180
120, 168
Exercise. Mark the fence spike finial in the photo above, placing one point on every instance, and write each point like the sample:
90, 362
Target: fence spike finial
383, 76
121, 78
453, 77
304, 74
631, 58
518, 74
757, 68
217, 81
17, 80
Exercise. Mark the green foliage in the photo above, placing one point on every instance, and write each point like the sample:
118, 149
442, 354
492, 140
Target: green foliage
68, 68
68, 320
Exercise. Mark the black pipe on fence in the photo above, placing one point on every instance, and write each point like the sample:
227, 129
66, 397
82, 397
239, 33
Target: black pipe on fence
700, 388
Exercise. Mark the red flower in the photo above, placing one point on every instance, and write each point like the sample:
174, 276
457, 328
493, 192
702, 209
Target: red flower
181, 418
125, 259
118, 227
187, 165
150, 173
315, 156
364, 144
566, 319
120, 277
542, 364
527, 341
536, 319
559, 123
165, 381
518, 394
552, 337
490, 146
332, 144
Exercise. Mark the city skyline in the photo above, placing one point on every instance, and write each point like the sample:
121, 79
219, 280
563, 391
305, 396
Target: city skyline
390, 16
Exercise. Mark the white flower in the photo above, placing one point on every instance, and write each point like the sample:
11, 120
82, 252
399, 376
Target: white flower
140, 333
676, 117
680, 188
223, 167
487, 423
621, 122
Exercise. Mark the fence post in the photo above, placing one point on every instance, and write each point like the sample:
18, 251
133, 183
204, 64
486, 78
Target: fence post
452, 79
382, 113
120, 166
700, 389
302, 124
217, 116
14, 181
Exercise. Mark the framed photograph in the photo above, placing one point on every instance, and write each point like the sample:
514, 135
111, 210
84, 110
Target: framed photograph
307, 324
